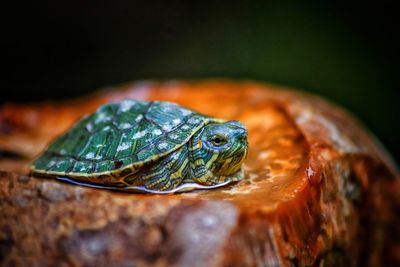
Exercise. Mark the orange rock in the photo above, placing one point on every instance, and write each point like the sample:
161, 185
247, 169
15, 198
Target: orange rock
318, 190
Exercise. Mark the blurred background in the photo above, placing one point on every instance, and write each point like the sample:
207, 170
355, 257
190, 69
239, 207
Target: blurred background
342, 50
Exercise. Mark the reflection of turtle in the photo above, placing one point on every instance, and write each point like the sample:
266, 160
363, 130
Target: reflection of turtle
147, 146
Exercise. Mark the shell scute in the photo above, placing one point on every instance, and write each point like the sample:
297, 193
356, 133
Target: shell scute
64, 165
104, 166
82, 167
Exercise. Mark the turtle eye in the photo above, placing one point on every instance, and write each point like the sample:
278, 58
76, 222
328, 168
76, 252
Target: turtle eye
218, 140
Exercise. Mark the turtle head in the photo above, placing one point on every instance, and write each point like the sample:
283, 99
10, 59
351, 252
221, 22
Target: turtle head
223, 148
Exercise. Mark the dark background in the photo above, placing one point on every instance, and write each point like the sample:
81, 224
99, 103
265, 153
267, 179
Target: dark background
343, 50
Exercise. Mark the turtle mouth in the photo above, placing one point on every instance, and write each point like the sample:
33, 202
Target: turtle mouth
241, 153
245, 153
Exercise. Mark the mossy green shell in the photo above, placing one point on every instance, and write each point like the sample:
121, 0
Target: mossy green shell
119, 136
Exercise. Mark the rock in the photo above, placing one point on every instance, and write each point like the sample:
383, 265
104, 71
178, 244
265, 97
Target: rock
318, 191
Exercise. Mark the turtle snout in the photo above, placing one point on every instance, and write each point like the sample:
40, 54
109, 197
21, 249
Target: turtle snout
243, 139
242, 135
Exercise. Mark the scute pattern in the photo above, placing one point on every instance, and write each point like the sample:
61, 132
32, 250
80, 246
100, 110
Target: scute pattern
118, 137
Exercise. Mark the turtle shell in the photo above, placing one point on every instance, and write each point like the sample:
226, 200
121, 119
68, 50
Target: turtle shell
118, 136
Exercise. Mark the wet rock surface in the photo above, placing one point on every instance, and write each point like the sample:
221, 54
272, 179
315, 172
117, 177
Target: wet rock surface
318, 191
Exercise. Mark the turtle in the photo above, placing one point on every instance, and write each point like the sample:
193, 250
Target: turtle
146, 146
